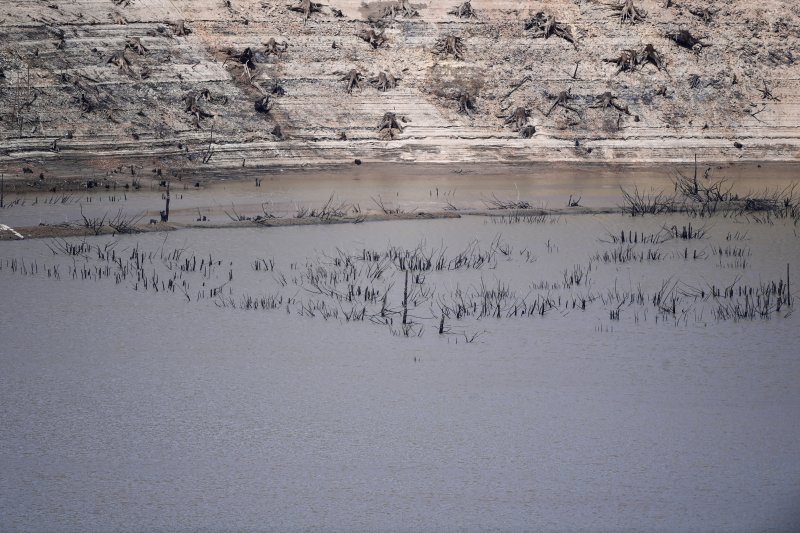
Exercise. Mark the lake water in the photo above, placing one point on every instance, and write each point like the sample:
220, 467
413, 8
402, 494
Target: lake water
130, 403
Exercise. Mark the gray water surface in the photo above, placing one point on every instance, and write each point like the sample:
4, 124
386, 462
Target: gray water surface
127, 409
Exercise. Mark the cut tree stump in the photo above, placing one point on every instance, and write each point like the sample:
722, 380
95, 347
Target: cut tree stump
544, 26
449, 45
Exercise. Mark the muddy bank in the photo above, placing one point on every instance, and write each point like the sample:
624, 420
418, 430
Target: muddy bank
66, 230
364, 192
55, 176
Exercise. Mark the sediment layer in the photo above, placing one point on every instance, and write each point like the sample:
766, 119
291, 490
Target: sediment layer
68, 104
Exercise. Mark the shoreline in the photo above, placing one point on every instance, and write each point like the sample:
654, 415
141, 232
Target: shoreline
41, 178
47, 231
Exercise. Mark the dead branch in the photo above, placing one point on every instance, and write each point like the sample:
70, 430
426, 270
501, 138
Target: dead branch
766, 93
122, 223
517, 86
247, 58
94, 224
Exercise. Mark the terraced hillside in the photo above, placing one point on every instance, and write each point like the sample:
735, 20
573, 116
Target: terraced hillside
182, 84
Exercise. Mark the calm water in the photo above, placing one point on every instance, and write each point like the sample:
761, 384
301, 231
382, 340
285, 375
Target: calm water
404, 187
126, 408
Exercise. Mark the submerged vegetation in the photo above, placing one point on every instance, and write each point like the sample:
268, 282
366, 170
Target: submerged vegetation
451, 290
707, 196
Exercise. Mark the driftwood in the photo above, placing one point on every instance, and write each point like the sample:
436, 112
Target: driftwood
384, 81
388, 125
306, 7
135, 44
375, 39
273, 48
561, 99
449, 45
353, 79
686, 40
463, 11
545, 25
